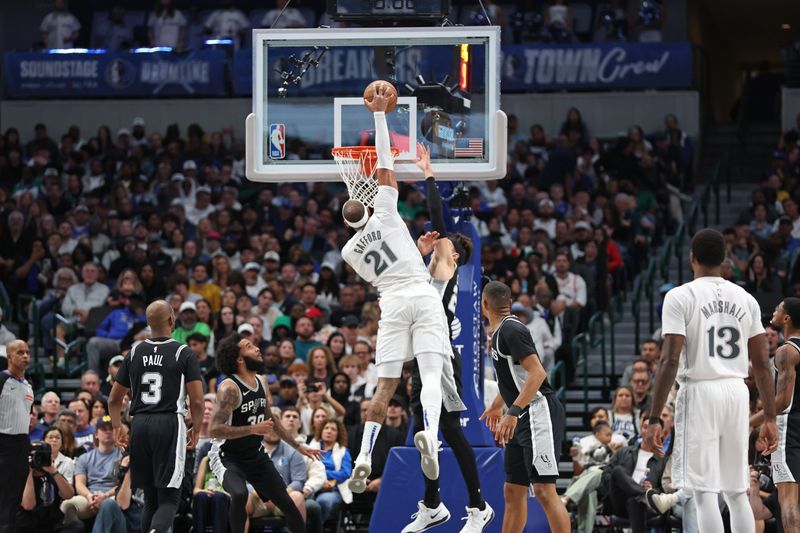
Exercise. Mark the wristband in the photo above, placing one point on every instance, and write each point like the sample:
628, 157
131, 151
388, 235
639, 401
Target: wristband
655, 420
514, 410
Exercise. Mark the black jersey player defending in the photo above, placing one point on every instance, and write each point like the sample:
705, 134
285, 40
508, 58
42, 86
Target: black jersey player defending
449, 252
159, 372
533, 426
786, 457
241, 417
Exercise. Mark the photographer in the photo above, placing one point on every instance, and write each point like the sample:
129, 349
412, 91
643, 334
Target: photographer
49, 483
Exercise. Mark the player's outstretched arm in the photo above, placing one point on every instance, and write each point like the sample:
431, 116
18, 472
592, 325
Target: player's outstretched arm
385, 168
665, 378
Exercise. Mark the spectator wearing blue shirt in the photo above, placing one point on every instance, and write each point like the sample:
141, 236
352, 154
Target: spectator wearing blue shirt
331, 438
114, 328
305, 338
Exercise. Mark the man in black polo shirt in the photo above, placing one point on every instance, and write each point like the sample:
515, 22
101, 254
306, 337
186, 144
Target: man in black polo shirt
16, 399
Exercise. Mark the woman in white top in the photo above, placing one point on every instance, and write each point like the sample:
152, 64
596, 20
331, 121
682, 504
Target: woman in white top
60, 462
624, 418
166, 25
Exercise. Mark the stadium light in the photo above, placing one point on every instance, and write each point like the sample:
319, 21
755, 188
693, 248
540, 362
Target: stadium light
216, 42
76, 51
152, 50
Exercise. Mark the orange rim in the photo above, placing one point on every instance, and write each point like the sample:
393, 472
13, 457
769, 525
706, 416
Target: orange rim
367, 155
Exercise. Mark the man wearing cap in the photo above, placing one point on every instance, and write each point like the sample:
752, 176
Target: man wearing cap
272, 262
138, 135
156, 256
189, 323
190, 169
202, 207
583, 234
212, 245
396, 415
545, 220
112, 369
254, 283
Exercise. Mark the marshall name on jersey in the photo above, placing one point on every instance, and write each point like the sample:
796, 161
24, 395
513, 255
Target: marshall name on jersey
716, 319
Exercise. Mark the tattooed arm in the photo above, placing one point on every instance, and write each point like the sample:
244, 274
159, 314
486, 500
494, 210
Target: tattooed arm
228, 399
786, 359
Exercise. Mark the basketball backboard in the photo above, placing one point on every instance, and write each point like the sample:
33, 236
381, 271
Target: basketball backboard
307, 99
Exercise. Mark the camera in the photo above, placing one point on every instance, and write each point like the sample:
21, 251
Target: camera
40, 455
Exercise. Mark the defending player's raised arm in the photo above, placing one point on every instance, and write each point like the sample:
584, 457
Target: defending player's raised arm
786, 359
385, 167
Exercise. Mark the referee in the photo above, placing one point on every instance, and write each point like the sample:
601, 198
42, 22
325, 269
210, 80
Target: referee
16, 399
159, 372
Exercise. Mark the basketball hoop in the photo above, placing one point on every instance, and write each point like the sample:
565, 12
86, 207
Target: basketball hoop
357, 168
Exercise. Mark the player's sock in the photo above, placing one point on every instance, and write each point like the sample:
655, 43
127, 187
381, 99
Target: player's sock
742, 520
432, 497
709, 517
430, 373
371, 430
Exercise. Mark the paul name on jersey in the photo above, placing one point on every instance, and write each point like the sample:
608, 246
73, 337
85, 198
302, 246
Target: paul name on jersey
366, 239
152, 360
723, 307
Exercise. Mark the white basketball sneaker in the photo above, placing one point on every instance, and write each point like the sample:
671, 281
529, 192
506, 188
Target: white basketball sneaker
361, 471
477, 520
427, 518
428, 446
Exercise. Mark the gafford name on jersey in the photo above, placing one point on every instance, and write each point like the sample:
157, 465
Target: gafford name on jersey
366, 239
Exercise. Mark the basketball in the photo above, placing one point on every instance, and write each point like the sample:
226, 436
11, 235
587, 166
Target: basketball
369, 92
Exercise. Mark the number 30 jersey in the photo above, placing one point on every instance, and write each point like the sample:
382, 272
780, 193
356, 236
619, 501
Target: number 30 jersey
252, 410
383, 252
716, 318
156, 371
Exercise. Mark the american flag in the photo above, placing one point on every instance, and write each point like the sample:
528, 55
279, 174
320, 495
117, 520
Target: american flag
470, 147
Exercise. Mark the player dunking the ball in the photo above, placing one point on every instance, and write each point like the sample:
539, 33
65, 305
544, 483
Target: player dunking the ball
709, 326
532, 428
413, 323
786, 458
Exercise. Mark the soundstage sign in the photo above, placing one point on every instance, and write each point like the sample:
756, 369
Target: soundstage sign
199, 73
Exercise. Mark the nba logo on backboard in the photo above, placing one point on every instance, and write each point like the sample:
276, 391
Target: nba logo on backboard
277, 141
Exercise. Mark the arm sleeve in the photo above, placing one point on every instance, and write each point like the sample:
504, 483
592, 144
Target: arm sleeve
382, 146
673, 321
517, 342
191, 368
298, 472
386, 201
435, 207
124, 373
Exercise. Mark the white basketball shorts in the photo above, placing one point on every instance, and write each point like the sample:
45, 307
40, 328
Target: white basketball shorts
711, 436
412, 323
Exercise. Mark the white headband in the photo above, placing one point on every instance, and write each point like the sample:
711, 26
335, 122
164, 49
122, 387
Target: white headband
359, 223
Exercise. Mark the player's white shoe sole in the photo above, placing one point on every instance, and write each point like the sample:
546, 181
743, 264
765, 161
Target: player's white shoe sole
358, 481
428, 447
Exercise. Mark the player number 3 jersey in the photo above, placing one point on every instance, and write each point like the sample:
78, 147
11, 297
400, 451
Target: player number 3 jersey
716, 318
383, 252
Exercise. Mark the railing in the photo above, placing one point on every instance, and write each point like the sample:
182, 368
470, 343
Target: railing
558, 379
580, 356
69, 347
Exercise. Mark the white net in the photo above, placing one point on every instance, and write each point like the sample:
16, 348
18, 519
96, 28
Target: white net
357, 168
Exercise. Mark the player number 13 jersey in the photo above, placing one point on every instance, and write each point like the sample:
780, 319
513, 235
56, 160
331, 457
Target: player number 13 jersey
716, 318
